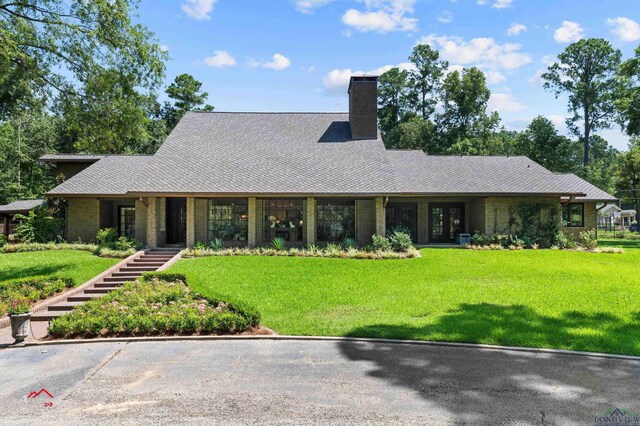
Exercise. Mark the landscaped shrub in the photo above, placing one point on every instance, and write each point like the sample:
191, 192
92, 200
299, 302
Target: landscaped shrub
3, 240
32, 290
380, 243
349, 243
107, 237
588, 239
278, 243
38, 227
332, 251
400, 241
479, 239
154, 306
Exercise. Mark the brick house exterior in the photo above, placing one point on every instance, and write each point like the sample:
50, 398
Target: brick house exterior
246, 178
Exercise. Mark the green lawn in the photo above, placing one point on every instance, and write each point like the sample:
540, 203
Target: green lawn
78, 265
545, 298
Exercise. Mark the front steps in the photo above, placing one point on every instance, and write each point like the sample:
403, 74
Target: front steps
150, 261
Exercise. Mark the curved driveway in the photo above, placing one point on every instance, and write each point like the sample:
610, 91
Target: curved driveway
307, 382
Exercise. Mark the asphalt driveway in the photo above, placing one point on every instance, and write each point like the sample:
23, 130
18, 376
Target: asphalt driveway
302, 382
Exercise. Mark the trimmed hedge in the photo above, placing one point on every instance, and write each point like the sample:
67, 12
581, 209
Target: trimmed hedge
159, 303
33, 290
98, 251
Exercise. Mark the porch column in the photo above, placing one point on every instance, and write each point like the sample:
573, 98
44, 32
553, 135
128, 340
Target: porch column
6, 226
310, 221
152, 222
380, 217
191, 221
252, 220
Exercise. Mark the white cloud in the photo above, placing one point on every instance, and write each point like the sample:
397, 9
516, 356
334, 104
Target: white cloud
482, 52
568, 32
336, 81
494, 77
382, 16
198, 9
625, 29
220, 59
163, 47
446, 17
504, 102
278, 62
536, 79
497, 4
516, 29
307, 6
501, 4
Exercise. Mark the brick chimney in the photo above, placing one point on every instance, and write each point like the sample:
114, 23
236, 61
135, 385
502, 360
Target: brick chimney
363, 107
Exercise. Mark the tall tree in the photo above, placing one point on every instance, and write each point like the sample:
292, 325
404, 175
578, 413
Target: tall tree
542, 143
628, 99
393, 99
414, 133
63, 43
628, 184
426, 79
464, 103
187, 95
110, 118
587, 72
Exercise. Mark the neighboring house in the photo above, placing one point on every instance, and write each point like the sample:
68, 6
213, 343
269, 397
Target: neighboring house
8, 211
610, 216
247, 178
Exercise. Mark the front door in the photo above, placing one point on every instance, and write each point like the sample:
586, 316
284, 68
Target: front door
176, 220
402, 216
446, 221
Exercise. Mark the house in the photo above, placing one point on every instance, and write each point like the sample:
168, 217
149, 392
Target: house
8, 211
610, 217
246, 178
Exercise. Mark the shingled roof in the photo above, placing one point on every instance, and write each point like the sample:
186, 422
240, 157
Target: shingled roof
112, 175
593, 193
218, 153
71, 158
21, 206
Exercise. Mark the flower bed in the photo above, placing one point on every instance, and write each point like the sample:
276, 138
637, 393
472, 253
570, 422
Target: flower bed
156, 304
31, 291
331, 252
93, 248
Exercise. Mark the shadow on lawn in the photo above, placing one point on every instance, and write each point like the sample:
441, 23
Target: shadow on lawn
487, 386
11, 274
619, 242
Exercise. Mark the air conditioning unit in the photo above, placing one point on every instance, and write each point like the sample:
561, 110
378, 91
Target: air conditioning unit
464, 239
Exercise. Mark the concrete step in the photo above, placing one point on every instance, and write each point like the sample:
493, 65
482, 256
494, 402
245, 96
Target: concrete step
108, 285
84, 297
100, 290
150, 264
121, 278
64, 306
138, 269
47, 315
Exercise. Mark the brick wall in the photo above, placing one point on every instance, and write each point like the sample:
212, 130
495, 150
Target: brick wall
365, 221
83, 219
202, 230
141, 221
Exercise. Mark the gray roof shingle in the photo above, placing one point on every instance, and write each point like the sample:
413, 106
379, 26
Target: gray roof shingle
593, 192
303, 154
21, 206
71, 158
112, 175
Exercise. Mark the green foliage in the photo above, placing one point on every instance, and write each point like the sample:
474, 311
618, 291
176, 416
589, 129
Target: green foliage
30, 291
155, 306
187, 96
542, 143
3, 240
628, 97
588, 239
380, 243
425, 80
278, 243
107, 237
17, 305
349, 243
400, 241
38, 227
216, 244
587, 73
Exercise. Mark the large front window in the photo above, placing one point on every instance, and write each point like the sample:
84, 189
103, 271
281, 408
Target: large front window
283, 219
573, 215
228, 219
336, 220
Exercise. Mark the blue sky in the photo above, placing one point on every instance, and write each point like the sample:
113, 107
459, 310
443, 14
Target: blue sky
297, 55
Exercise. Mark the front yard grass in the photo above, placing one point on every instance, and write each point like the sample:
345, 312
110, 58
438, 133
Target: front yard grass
77, 265
545, 298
